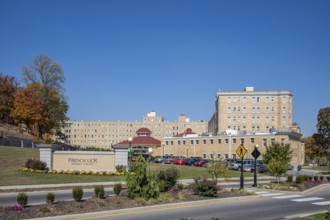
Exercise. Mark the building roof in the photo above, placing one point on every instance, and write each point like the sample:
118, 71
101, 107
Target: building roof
143, 130
186, 133
143, 140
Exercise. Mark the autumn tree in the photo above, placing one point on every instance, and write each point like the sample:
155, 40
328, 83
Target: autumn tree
8, 88
29, 109
313, 151
46, 79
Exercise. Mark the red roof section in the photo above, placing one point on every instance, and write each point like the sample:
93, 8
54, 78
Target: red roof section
143, 130
188, 131
143, 140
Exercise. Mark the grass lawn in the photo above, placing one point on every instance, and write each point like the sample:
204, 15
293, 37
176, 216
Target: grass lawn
311, 217
318, 168
14, 158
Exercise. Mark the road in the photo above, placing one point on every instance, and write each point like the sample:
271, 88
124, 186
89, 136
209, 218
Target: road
267, 205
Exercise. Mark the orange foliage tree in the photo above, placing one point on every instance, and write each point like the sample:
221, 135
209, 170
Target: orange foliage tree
29, 109
8, 88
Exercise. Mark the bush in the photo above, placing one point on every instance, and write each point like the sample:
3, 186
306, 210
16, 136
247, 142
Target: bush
50, 197
35, 164
310, 178
316, 178
290, 179
77, 193
162, 186
120, 168
99, 191
169, 176
328, 178
22, 199
204, 187
180, 186
322, 178
117, 188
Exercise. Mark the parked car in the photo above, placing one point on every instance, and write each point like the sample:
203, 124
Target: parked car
191, 161
201, 163
180, 161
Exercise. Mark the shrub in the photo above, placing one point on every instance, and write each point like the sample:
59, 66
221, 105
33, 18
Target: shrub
328, 178
316, 178
120, 168
204, 187
180, 186
50, 197
77, 193
117, 188
99, 191
22, 199
290, 179
169, 176
35, 164
162, 186
310, 178
322, 178
299, 179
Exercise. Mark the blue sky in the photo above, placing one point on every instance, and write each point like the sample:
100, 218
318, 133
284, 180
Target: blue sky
124, 58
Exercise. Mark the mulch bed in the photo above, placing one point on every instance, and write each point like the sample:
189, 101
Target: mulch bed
95, 205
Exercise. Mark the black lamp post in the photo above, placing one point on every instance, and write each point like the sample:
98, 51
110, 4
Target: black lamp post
255, 166
129, 154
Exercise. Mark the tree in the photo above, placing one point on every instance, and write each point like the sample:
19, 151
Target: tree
29, 109
8, 89
46, 78
277, 157
313, 151
217, 169
322, 137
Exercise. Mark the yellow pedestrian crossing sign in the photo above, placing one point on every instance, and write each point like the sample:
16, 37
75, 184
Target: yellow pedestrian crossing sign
241, 151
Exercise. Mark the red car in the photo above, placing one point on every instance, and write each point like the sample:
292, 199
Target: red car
180, 161
201, 163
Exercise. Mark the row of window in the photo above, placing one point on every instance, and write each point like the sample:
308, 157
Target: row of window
219, 141
253, 109
255, 99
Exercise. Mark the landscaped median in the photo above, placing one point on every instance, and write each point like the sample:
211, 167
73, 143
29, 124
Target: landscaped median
75, 172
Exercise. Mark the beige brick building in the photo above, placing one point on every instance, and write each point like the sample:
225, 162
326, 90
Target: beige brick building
251, 111
106, 134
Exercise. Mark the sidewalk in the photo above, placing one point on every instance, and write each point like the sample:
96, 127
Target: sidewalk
221, 181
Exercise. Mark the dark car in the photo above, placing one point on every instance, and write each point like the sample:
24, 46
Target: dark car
191, 161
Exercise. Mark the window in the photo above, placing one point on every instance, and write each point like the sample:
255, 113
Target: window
211, 156
273, 118
179, 142
229, 99
258, 99
197, 142
282, 141
242, 140
234, 141
219, 156
251, 140
272, 140
283, 109
258, 109
211, 141
267, 99
219, 141
191, 142
253, 109
239, 109
244, 119
283, 99
171, 142
228, 119
267, 109
204, 141
234, 98
264, 142
244, 99
204, 156
226, 156
183, 142
267, 119
234, 156
229, 109
284, 119
253, 99
226, 141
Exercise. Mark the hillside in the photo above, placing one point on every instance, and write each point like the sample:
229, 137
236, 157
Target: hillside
13, 131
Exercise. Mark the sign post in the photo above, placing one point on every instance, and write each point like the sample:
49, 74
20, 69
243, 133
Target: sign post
255, 154
241, 151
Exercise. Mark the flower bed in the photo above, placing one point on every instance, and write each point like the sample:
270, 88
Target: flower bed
76, 172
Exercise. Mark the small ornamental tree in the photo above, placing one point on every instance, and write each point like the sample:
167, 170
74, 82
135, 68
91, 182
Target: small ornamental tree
143, 183
218, 169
